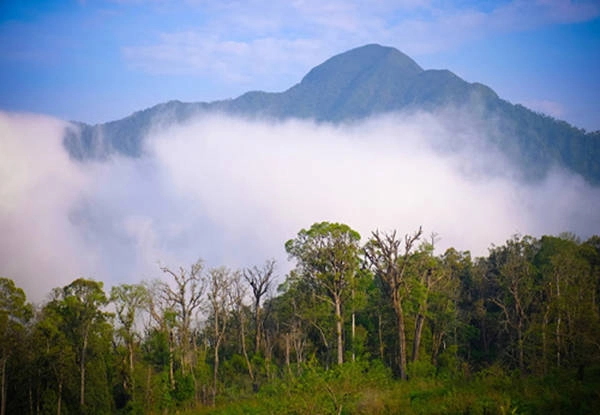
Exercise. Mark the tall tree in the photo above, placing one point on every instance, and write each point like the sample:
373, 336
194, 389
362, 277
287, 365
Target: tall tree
327, 255
128, 300
55, 351
14, 313
80, 306
260, 280
219, 302
185, 297
389, 264
512, 274
426, 273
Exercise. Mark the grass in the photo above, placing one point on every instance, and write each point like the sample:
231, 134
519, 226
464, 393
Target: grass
370, 389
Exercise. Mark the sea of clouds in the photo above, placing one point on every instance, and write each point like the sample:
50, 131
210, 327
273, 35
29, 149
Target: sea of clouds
231, 191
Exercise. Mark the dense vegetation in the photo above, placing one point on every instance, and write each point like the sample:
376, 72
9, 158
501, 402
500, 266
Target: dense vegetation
384, 325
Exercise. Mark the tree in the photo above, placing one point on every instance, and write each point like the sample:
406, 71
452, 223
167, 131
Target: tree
55, 351
426, 273
79, 306
185, 299
327, 256
129, 301
238, 295
513, 275
219, 301
14, 314
389, 264
260, 280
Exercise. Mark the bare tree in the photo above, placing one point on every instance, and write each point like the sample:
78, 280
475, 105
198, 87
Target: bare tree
185, 297
219, 298
260, 280
238, 295
383, 253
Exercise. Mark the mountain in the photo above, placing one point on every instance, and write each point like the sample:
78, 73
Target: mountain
369, 80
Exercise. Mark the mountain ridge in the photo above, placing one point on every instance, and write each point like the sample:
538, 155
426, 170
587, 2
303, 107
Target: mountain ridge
356, 84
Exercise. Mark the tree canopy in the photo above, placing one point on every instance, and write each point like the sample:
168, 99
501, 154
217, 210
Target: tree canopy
352, 328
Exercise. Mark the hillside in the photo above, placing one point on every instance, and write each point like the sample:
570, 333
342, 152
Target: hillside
361, 82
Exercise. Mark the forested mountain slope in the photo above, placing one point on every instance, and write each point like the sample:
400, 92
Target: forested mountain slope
366, 81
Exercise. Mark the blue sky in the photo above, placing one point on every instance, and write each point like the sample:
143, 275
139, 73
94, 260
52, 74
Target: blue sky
96, 61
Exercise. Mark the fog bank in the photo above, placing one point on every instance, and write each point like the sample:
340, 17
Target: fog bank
232, 191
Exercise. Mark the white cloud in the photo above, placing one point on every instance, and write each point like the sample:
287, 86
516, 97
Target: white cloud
38, 187
240, 41
232, 191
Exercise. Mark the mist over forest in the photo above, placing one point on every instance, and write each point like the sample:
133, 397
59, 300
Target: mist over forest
231, 190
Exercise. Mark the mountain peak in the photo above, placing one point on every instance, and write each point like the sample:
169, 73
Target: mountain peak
356, 84
362, 61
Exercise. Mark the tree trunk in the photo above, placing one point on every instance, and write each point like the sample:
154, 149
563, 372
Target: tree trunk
521, 348
258, 327
244, 352
339, 330
545, 344
401, 337
171, 351
353, 329
59, 398
82, 371
131, 370
215, 372
436, 343
3, 385
353, 336
419, 323
380, 335
287, 352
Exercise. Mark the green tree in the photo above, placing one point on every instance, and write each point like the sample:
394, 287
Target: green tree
327, 255
129, 301
79, 305
14, 314
56, 356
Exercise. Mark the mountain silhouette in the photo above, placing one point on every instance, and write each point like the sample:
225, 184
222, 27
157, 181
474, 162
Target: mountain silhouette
359, 83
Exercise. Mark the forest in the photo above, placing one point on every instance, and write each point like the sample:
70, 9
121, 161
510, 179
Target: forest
377, 325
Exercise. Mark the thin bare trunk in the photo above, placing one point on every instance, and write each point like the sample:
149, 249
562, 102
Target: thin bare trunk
353, 336
339, 330
419, 323
244, 352
380, 335
257, 325
215, 372
171, 352
3, 386
82, 371
521, 347
287, 351
401, 339
545, 342
59, 398
30, 398
130, 347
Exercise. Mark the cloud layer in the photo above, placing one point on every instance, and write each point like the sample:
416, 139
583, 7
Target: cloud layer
232, 191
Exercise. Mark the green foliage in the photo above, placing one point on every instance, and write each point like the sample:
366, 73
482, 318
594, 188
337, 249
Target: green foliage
516, 331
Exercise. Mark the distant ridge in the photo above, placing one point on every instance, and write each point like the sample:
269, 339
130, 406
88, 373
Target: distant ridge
365, 81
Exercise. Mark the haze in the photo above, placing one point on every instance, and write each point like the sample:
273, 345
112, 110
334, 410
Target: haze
232, 191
